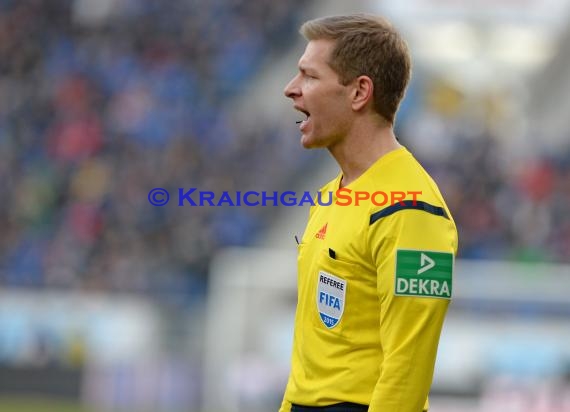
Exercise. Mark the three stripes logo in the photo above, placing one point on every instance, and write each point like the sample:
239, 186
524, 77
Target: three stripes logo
322, 232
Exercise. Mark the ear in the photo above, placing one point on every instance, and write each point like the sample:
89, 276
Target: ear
362, 93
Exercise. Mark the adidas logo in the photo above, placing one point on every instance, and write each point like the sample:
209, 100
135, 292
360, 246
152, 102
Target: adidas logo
322, 232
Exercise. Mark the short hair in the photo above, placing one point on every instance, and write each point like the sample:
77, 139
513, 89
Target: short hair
367, 45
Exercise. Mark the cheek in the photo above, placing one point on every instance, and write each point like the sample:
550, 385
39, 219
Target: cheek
338, 111
331, 108
340, 102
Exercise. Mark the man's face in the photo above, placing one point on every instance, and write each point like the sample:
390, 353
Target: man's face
317, 93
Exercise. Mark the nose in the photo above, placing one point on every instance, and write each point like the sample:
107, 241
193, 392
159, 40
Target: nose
292, 89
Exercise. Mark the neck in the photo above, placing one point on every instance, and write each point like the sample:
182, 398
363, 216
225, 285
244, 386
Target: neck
361, 148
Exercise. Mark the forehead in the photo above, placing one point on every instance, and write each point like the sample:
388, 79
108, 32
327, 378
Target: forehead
317, 55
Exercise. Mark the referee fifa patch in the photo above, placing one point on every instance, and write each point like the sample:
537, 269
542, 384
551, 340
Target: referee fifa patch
331, 294
423, 273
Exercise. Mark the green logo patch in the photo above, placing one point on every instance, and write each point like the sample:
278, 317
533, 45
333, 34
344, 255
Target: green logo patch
423, 273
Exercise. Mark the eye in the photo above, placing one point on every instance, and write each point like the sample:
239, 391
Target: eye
307, 75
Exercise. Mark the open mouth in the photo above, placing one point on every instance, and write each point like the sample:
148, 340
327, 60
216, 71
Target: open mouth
306, 113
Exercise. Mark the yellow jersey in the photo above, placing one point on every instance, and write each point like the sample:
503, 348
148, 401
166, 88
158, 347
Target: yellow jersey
374, 284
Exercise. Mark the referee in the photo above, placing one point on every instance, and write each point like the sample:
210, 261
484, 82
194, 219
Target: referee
374, 279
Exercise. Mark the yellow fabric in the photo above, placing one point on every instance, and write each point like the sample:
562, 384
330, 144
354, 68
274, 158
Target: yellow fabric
382, 351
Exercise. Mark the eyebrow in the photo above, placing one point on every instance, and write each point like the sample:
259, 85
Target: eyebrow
305, 69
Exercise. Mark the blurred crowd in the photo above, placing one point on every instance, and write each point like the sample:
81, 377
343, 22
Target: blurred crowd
512, 211
101, 101
506, 207
516, 211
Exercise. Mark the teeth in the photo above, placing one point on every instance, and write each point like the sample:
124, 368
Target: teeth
306, 113
306, 118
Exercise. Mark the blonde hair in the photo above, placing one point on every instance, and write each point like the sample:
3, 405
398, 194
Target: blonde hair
367, 45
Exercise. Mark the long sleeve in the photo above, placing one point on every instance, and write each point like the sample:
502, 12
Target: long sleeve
413, 251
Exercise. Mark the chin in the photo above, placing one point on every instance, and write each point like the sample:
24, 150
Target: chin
306, 142
310, 143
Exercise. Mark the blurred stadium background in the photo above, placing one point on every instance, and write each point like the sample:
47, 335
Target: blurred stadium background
110, 304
